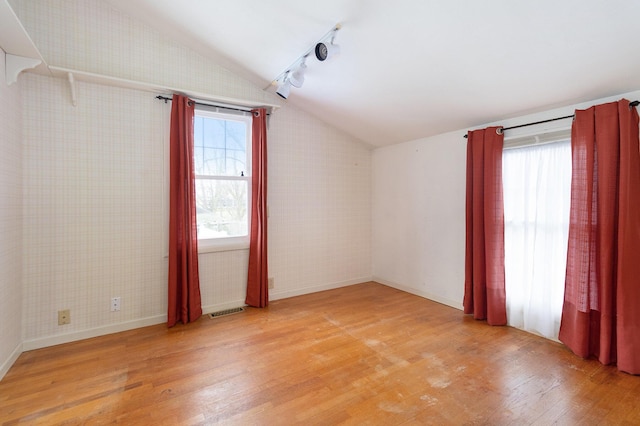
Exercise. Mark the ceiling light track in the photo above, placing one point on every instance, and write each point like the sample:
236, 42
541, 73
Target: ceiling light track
293, 76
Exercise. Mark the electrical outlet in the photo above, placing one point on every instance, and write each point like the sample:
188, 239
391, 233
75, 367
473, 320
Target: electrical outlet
64, 317
271, 282
115, 304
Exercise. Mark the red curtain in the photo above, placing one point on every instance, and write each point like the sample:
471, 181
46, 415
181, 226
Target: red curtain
258, 276
184, 285
601, 311
484, 293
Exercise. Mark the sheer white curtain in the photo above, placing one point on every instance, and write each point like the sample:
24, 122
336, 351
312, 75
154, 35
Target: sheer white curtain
537, 195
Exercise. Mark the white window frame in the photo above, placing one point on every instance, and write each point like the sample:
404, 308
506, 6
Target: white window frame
206, 245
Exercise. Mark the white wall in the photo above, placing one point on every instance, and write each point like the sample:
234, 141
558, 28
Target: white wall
418, 216
419, 204
95, 182
10, 221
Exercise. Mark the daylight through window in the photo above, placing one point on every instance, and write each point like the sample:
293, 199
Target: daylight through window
222, 157
537, 196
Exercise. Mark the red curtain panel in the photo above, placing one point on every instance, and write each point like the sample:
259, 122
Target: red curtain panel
484, 295
601, 311
258, 276
184, 301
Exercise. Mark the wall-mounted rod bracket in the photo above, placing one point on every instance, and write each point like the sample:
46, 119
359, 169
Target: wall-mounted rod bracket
14, 65
72, 88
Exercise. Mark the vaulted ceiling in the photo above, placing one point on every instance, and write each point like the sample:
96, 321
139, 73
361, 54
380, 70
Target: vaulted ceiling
415, 68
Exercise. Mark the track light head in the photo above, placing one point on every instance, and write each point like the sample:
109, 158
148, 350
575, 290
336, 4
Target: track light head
326, 49
284, 88
297, 77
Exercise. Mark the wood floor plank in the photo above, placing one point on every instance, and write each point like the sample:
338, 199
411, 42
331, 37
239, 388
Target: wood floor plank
364, 354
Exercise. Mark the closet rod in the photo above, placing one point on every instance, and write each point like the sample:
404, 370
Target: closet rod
631, 105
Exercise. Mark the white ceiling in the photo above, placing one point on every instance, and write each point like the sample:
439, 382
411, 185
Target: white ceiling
415, 68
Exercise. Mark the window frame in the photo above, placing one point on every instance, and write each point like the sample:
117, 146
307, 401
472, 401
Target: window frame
206, 245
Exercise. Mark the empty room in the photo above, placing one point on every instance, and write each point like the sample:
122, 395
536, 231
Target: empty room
339, 212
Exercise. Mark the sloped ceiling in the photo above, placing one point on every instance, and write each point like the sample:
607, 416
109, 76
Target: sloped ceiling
415, 68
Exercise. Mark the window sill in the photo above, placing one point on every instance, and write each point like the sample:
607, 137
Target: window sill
213, 248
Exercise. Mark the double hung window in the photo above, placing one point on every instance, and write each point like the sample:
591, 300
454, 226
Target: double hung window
222, 162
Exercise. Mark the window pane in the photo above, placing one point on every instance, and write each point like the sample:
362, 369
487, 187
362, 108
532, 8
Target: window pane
213, 162
198, 144
214, 133
197, 130
236, 162
236, 135
220, 147
222, 208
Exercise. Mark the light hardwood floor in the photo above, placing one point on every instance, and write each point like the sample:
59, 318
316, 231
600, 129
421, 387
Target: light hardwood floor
364, 354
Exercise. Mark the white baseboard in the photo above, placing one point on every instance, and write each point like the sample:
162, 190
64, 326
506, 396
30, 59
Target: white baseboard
433, 297
115, 328
44, 342
276, 295
4, 368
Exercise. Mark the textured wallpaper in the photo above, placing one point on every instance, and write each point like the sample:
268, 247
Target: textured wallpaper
10, 220
89, 35
94, 205
95, 182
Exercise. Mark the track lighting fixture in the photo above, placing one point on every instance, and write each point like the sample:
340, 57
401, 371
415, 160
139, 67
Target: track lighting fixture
294, 75
284, 88
297, 77
326, 50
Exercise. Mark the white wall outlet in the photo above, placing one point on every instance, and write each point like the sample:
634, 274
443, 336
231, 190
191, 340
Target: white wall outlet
271, 282
115, 304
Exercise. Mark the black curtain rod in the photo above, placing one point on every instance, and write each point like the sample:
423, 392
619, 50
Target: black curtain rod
165, 99
631, 105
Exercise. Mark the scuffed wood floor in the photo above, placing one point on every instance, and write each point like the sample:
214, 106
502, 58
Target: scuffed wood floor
364, 354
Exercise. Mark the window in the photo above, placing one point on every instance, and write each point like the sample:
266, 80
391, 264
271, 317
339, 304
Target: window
537, 194
222, 162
